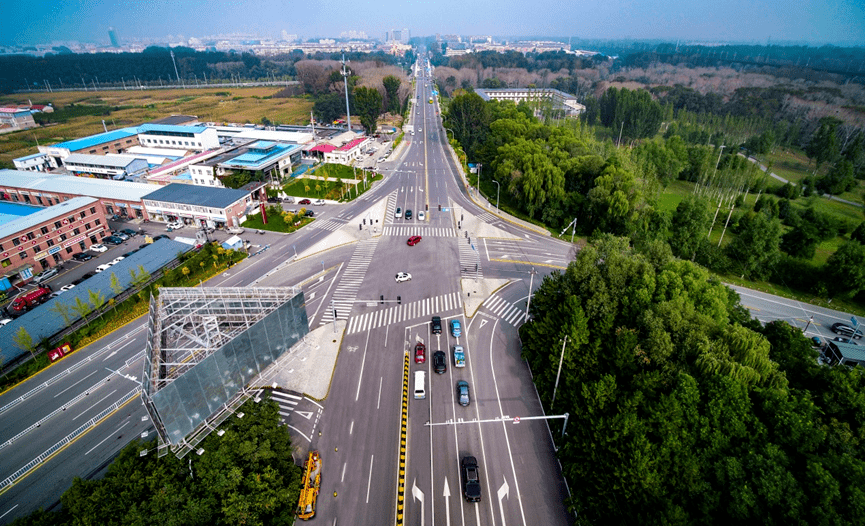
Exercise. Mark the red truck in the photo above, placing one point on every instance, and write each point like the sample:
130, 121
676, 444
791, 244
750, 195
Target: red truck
27, 301
60, 352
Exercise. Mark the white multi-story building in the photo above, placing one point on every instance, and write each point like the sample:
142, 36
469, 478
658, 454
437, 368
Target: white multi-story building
560, 99
179, 137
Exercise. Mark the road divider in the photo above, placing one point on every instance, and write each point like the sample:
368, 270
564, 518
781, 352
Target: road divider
403, 437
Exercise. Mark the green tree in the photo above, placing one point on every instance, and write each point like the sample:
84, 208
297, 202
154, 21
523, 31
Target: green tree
391, 88
24, 341
63, 310
82, 308
689, 226
845, 269
368, 106
469, 117
823, 146
756, 246
115, 285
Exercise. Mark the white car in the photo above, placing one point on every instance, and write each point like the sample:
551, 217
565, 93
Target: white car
403, 276
117, 260
66, 288
421, 216
98, 248
45, 275
318, 202
397, 213
100, 268
5, 321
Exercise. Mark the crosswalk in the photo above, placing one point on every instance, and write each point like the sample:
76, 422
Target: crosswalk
505, 311
331, 224
351, 280
486, 217
470, 261
439, 305
418, 230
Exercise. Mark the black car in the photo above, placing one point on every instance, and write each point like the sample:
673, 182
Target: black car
440, 362
113, 240
846, 330
161, 236
82, 256
88, 275
309, 213
471, 479
436, 325
408, 214
129, 232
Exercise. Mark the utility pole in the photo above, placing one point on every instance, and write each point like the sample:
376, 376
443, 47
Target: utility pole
529, 300
175, 69
345, 81
573, 226
621, 129
561, 359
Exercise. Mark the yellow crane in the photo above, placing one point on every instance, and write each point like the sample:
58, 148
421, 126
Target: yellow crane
311, 485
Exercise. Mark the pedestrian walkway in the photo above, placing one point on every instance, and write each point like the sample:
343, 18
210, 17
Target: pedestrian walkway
505, 311
350, 281
331, 224
470, 260
438, 306
418, 230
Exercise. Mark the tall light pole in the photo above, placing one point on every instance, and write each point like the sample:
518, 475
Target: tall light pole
345, 81
498, 189
561, 359
529, 300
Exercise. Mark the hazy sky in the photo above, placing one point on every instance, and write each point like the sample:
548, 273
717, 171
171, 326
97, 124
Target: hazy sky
815, 21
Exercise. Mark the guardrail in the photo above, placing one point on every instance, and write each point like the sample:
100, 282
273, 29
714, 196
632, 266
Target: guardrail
25, 470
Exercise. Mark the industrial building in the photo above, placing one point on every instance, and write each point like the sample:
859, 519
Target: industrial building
183, 137
559, 99
114, 141
115, 167
272, 160
201, 205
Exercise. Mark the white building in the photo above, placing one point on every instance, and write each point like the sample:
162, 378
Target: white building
105, 166
560, 99
37, 162
178, 137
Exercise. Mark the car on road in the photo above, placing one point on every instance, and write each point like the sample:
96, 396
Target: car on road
459, 356
456, 328
99, 247
463, 393
414, 240
436, 325
846, 330
471, 479
403, 276
421, 216
420, 353
397, 213
129, 232
304, 202
113, 240
100, 268
408, 214
45, 275
440, 362
82, 256
319, 202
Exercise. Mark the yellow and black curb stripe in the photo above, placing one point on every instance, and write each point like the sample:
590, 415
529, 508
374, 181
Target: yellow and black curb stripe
403, 437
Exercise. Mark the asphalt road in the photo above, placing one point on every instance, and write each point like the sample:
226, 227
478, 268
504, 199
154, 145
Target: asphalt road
358, 432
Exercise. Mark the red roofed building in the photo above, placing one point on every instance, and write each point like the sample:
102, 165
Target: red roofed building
348, 152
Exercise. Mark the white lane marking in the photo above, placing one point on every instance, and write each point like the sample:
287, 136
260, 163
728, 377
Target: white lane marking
369, 479
96, 403
76, 383
362, 363
106, 438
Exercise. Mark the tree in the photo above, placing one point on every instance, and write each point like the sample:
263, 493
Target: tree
756, 245
469, 117
689, 226
63, 310
82, 308
823, 146
368, 106
838, 180
24, 341
845, 269
391, 89
115, 285
328, 107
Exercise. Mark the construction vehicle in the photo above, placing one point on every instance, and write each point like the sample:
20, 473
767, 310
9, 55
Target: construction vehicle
311, 485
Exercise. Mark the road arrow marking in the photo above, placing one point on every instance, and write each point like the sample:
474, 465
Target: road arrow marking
418, 495
447, 496
502, 493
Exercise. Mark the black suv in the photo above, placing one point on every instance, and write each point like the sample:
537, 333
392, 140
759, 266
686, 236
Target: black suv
846, 330
440, 362
82, 256
436, 325
471, 479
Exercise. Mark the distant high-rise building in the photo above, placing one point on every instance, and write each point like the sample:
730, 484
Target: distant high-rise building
397, 35
112, 35
288, 37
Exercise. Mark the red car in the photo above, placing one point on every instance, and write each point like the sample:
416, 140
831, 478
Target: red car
419, 353
413, 240
304, 202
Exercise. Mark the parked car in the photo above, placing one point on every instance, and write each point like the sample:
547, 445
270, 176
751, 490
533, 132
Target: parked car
88, 275
414, 240
319, 202
45, 275
288, 200
100, 268
117, 260
403, 276
82, 256
309, 213
175, 225
440, 362
463, 393
456, 328
99, 247
122, 235
4, 321
304, 202
113, 240
234, 230
129, 232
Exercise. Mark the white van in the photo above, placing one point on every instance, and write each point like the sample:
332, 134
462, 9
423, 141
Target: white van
419, 385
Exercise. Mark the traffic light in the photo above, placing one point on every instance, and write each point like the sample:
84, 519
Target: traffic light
359, 226
440, 208
381, 299
427, 207
399, 300
364, 221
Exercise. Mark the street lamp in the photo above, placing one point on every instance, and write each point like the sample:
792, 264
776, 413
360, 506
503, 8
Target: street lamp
498, 188
453, 135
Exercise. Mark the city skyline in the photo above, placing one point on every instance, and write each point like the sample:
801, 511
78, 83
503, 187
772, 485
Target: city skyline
30, 22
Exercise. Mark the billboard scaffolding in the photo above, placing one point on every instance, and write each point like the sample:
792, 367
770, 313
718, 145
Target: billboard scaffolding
204, 345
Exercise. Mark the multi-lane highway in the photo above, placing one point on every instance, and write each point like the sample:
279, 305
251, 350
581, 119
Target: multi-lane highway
359, 430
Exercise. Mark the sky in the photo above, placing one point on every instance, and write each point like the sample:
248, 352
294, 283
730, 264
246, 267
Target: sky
816, 22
